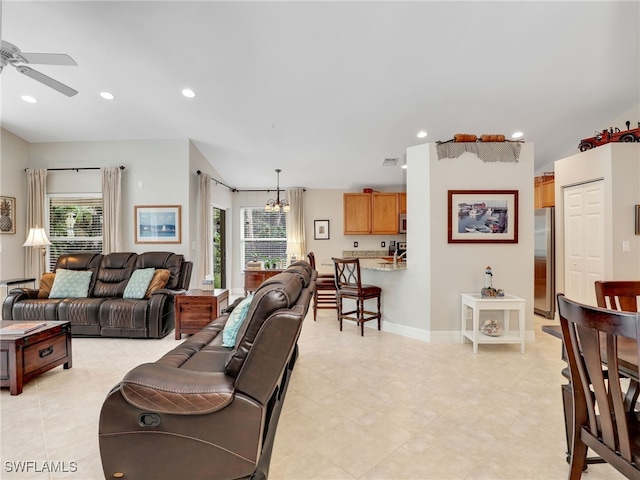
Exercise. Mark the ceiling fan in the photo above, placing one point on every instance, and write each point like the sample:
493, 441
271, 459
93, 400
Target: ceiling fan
11, 55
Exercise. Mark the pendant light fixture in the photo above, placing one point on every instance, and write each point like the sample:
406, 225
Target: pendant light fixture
277, 204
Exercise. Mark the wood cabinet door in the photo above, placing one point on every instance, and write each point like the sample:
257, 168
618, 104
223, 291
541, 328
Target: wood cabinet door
548, 194
357, 213
544, 193
384, 206
402, 202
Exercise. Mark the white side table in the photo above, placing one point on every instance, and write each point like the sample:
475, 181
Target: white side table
476, 303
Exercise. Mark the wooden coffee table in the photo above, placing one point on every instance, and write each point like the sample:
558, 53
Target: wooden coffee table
196, 308
25, 356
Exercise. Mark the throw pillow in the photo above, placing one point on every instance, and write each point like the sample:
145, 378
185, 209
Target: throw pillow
138, 283
235, 321
158, 281
46, 282
70, 283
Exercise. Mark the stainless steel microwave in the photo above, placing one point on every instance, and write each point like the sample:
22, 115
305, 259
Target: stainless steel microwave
402, 224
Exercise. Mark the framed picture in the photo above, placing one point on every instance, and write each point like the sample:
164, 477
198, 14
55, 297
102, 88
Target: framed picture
158, 224
321, 229
483, 216
637, 219
7, 215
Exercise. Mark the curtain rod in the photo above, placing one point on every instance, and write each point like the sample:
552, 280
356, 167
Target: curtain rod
243, 190
219, 182
76, 168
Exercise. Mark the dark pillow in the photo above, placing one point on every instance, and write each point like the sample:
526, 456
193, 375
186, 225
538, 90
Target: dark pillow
46, 282
158, 281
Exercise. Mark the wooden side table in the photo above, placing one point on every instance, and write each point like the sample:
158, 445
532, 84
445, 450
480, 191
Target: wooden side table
196, 308
254, 278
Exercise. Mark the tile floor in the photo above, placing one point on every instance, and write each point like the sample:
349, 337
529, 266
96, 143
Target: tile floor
374, 407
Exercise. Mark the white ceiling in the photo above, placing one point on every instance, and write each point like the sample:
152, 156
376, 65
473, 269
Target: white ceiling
325, 91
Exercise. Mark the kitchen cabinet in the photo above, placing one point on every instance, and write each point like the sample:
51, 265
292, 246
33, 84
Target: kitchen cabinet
357, 213
373, 213
544, 191
384, 213
402, 202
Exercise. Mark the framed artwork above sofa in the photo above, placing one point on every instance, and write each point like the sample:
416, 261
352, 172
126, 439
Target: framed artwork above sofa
158, 223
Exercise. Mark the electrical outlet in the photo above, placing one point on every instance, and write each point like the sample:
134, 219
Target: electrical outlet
469, 314
355, 244
382, 244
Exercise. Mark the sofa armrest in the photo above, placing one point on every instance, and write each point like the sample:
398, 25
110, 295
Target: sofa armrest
168, 291
165, 389
16, 295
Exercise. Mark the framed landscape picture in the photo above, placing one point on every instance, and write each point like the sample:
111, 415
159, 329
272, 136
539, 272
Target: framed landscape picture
321, 229
7, 214
483, 216
158, 224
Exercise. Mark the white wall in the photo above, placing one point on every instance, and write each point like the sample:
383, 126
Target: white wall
618, 165
14, 156
162, 167
460, 268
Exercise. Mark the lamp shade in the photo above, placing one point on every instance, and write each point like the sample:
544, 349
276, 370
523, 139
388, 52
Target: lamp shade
37, 238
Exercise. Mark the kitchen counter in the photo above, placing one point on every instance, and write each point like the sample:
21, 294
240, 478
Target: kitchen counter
383, 264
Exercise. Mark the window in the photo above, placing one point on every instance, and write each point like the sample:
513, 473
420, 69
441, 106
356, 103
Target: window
264, 236
75, 225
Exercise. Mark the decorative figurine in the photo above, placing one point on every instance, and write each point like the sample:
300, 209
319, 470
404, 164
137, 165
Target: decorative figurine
492, 328
488, 291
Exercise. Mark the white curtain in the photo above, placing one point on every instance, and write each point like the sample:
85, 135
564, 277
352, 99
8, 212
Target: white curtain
36, 198
204, 266
295, 225
112, 209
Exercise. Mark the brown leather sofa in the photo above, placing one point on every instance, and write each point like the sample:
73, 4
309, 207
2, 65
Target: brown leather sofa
104, 312
204, 411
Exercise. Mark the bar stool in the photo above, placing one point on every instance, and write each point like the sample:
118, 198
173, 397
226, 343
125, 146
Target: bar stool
349, 286
324, 296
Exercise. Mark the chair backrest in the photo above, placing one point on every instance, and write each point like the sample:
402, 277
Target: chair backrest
347, 272
618, 295
590, 336
312, 259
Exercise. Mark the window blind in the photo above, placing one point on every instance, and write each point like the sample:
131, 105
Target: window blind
264, 235
75, 225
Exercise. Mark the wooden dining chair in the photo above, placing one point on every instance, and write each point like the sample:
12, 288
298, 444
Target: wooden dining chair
324, 296
603, 421
618, 294
349, 287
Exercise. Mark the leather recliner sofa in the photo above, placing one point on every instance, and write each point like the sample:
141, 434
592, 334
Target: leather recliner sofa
104, 312
205, 411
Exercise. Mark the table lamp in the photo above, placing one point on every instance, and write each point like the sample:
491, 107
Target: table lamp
38, 238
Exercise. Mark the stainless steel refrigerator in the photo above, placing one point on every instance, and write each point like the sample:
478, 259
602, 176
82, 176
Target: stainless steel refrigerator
545, 286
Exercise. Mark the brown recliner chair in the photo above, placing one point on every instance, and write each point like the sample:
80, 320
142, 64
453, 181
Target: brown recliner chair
204, 411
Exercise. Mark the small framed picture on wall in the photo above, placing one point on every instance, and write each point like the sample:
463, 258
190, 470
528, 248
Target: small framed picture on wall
321, 229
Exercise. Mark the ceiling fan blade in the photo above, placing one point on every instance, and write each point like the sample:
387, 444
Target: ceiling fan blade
48, 58
48, 81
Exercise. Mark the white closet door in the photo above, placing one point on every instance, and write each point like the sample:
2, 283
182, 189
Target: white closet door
583, 240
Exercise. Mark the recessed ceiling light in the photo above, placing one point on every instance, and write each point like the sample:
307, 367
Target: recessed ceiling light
29, 99
187, 92
404, 166
421, 134
107, 95
517, 135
